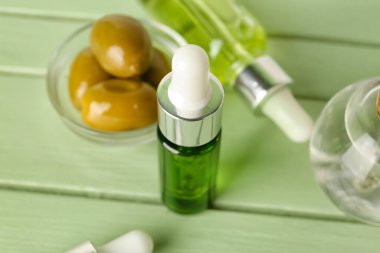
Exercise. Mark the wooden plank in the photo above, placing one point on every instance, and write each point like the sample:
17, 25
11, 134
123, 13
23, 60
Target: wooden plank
31, 129
28, 43
74, 10
37, 223
259, 174
338, 20
319, 69
256, 172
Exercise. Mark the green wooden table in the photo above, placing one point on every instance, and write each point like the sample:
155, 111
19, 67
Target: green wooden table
57, 190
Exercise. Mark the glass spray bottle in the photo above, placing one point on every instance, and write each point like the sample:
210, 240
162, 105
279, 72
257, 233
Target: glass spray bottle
235, 43
189, 131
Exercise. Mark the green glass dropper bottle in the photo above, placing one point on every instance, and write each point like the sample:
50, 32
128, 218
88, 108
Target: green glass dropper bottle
189, 131
229, 34
235, 43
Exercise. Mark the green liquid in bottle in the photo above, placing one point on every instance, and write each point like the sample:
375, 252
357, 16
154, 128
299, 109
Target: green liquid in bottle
188, 174
229, 33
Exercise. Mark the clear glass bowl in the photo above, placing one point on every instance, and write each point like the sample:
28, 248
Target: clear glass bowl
163, 38
345, 153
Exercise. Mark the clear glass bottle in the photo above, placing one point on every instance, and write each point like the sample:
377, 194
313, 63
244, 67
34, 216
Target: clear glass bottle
235, 43
345, 151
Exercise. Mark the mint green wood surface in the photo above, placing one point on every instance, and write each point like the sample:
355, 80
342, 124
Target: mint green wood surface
319, 69
320, 43
257, 173
71, 9
337, 21
38, 223
334, 21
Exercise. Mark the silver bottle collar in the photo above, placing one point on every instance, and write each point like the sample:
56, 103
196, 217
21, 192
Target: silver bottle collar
257, 81
190, 132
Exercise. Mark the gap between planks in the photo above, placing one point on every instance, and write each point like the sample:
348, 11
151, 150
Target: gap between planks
43, 14
41, 73
152, 200
79, 16
325, 40
22, 71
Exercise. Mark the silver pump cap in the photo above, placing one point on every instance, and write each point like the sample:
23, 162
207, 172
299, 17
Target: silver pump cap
257, 81
190, 132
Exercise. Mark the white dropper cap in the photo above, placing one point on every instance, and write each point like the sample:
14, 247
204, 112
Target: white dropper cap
190, 90
288, 115
135, 241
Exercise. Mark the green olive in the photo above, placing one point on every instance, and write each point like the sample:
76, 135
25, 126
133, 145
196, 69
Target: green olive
85, 71
159, 67
119, 105
121, 45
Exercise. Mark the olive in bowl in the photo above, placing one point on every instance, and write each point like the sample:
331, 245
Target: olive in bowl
159, 67
122, 45
85, 71
119, 105
58, 75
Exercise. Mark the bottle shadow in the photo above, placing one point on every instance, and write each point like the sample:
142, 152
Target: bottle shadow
238, 154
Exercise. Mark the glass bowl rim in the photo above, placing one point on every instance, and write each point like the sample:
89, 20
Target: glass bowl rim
51, 82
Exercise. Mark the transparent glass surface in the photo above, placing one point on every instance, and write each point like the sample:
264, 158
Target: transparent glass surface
345, 152
163, 38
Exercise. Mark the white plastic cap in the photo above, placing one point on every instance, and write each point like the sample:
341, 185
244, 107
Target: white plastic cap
190, 90
288, 115
85, 247
135, 241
